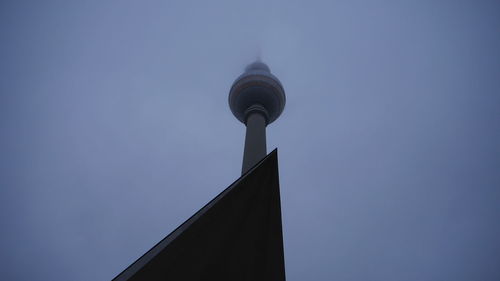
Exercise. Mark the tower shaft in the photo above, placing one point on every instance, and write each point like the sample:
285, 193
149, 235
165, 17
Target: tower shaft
255, 141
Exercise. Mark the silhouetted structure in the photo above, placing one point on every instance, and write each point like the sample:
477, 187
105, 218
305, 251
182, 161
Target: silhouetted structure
237, 236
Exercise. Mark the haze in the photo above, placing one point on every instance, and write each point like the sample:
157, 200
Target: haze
115, 128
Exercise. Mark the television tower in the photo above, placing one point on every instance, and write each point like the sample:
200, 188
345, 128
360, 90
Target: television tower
256, 99
238, 234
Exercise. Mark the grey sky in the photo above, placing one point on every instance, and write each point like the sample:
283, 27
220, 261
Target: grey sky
115, 128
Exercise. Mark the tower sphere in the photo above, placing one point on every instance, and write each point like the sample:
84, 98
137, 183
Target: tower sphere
257, 90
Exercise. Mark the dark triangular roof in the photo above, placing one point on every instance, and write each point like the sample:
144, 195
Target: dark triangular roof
236, 236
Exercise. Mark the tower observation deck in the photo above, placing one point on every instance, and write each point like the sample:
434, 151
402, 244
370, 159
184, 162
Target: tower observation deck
257, 99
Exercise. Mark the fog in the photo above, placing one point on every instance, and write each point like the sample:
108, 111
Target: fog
115, 128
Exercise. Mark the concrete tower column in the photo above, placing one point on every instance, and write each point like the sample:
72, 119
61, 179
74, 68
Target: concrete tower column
256, 99
255, 138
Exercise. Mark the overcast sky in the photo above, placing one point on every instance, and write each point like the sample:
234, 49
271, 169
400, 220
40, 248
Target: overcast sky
115, 128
